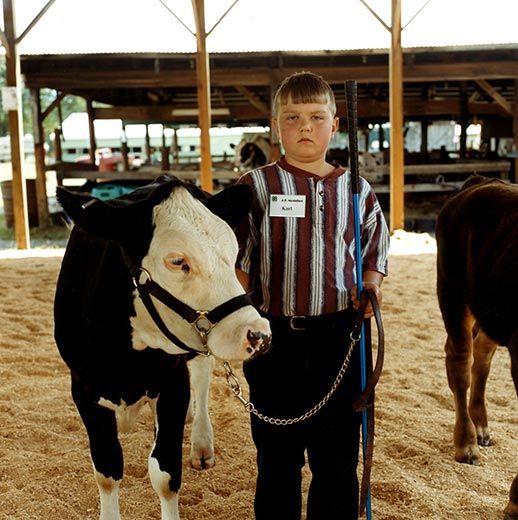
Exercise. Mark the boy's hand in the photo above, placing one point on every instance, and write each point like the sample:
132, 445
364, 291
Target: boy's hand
369, 313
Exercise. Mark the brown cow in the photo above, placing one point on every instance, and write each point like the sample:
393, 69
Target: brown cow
477, 287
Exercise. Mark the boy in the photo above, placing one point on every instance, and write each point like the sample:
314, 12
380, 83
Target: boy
297, 260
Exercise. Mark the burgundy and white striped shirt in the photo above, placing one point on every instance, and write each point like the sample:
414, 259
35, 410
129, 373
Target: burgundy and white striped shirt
305, 266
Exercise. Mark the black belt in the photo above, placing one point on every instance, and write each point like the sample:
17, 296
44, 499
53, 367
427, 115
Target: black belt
302, 323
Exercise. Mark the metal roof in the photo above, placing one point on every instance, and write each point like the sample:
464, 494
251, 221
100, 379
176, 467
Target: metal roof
138, 26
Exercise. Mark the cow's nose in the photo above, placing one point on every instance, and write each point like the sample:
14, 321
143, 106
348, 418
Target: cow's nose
259, 342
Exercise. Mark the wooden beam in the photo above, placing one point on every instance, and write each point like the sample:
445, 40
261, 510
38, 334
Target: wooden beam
36, 19
397, 206
69, 79
203, 89
372, 110
498, 98
53, 105
13, 79
254, 100
39, 159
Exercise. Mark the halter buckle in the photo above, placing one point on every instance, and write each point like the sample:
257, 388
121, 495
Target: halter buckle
202, 325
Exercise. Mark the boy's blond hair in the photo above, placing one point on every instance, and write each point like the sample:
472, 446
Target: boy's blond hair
304, 87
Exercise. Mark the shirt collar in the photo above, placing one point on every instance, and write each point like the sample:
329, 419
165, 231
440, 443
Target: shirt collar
337, 172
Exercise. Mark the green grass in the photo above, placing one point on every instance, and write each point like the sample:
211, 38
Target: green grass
51, 237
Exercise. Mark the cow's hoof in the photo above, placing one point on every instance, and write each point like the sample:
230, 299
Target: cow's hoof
484, 440
483, 437
202, 455
201, 463
468, 455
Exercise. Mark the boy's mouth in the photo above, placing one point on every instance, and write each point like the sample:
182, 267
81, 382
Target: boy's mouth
305, 140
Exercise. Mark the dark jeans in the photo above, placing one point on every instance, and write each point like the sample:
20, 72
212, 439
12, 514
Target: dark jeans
290, 379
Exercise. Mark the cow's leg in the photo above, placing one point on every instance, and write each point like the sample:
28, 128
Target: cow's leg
459, 359
165, 459
511, 511
483, 351
105, 450
202, 439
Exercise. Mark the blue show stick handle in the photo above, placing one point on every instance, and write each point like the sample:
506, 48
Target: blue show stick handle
351, 96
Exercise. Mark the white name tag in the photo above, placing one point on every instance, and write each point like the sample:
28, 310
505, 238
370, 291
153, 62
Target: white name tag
288, 206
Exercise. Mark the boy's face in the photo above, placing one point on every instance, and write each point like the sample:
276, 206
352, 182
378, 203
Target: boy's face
305, 130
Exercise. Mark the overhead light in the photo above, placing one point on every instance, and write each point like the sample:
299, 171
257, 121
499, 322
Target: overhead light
194, 112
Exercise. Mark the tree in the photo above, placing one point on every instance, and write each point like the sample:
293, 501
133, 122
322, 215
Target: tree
69, 104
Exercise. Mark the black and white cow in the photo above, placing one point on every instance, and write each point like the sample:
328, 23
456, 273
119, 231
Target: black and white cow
251, 152
163, 246
477, 286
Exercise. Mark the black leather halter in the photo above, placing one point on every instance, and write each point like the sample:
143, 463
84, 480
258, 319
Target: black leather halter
201, 321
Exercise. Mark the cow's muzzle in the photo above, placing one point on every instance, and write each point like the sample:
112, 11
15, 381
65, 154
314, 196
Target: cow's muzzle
259, 342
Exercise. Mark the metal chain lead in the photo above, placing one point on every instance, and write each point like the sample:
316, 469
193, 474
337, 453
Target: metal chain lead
237, 390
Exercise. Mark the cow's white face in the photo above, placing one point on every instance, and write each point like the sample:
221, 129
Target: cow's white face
192, 255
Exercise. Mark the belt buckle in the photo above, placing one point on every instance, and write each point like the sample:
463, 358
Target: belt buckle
293, 326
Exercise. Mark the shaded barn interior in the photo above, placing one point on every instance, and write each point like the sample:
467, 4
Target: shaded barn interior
466, 85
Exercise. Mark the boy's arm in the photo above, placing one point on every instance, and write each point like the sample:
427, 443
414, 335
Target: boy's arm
371, 280
243, 278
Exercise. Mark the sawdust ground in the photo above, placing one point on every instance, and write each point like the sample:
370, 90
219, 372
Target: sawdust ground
45, 470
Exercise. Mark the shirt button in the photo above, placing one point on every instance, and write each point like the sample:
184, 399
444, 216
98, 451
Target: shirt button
321, 207
322, 193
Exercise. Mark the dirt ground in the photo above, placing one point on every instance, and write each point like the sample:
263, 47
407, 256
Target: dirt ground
45, 470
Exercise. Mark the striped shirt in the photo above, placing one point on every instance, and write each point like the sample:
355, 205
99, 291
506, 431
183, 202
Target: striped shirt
306, 266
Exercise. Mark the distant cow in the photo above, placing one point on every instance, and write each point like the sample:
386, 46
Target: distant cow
251, 152
145, 278
477, 286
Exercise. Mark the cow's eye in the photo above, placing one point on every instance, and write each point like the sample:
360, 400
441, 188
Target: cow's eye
176, 262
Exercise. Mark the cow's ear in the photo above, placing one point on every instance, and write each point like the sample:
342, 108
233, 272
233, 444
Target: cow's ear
117, 219
88, 213
231, 204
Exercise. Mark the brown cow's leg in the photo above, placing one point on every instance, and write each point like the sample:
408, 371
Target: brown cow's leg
459, 359
483, 351
511, 511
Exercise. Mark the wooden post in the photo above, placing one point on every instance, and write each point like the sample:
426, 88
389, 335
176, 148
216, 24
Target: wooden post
381, 137
464, 120
124, 148
515, 128
39, 159
424, 139
165, 152
91, 129
58, 156
203, 84
148, 146
20, 214
176, 151
397, 205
